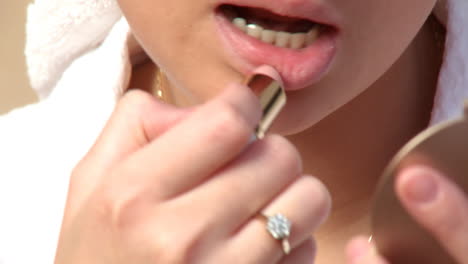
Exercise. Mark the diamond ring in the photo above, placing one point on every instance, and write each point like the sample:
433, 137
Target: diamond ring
280, 228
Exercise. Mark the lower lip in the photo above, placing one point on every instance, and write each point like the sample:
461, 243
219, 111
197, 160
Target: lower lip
298, 68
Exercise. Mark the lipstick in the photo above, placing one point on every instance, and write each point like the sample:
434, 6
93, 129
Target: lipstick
266, 83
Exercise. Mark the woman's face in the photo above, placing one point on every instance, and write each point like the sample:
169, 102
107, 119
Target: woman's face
201, 51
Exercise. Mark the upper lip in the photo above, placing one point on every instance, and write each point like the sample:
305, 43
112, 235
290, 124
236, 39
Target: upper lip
302, 9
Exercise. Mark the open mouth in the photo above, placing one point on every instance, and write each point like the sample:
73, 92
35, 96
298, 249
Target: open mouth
281, 31
299, 40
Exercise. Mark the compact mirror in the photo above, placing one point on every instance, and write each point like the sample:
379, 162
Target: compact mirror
397, 236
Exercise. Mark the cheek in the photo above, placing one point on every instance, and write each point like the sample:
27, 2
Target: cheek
374, 35
373, 38
160, 26
179, 36
377, 32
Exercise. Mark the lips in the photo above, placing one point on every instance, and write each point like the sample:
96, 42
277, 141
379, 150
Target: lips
301, 63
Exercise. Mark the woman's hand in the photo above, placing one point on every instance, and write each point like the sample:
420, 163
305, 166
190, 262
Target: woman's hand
433, 201
166, 185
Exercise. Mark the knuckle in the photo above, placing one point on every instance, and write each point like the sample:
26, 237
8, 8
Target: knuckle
316, 194
162, 238
164, 250
229, 125
134, 100
189, 239
309, 247
120, 209
79, 169
118, 213
284, 154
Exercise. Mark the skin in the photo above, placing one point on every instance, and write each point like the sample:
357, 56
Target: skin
395, 76
190, 49
388, 58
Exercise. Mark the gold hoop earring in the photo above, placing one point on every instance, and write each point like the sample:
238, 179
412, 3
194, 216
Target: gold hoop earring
160, 90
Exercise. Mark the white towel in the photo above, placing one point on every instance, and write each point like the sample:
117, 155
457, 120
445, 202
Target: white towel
78, 64
59, 31
453, 80
41, 143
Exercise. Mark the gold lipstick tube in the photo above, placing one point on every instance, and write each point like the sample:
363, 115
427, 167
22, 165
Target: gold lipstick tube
267, 85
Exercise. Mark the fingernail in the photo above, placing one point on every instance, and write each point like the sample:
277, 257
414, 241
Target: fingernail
244, 102
369, 255
358, 249
420, 185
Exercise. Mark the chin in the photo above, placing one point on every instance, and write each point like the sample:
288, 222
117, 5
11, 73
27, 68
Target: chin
289, 128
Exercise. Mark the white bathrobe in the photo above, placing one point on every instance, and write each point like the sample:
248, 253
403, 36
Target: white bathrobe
79, 65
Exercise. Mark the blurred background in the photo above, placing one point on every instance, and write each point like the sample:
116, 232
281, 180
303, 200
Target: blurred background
14, 84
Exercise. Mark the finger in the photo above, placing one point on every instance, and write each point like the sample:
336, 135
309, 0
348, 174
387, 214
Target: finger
137, 120
357, 248
362, 251
194, 148
247, 184
438, 205
306, 203
303, 254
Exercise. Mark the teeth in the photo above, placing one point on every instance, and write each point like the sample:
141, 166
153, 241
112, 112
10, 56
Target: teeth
278, 38
297, 40
282, 39
268, 36
240, 23
254, 30
312, 35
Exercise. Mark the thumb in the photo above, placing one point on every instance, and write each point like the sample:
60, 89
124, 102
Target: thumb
138, 119
361, 250
439, 205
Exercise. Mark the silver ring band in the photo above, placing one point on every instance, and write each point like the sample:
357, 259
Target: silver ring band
280, 228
